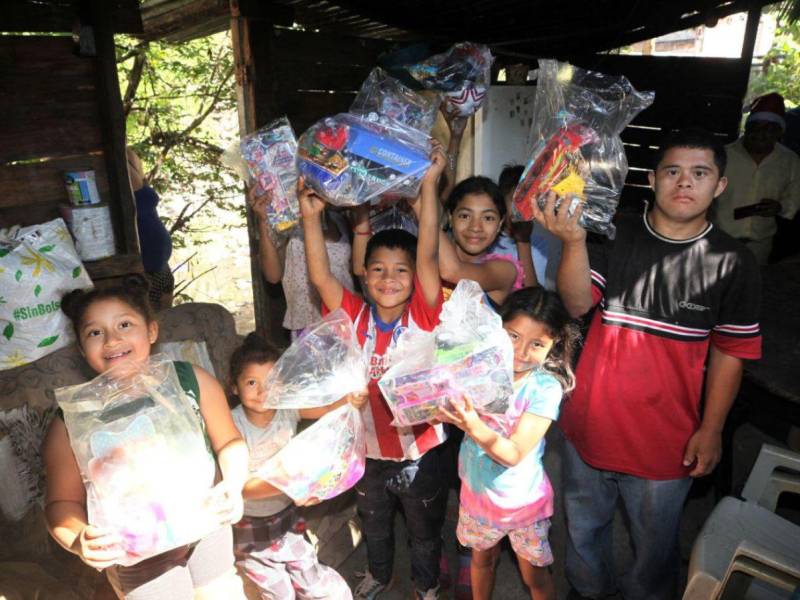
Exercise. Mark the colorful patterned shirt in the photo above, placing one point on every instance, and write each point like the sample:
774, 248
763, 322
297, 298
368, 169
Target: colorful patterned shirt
511, 497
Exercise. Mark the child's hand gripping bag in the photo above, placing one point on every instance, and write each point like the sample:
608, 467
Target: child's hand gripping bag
140, 444
468, 353
321, 366
350, 159
323, 461
38, 265
266, 159
576, 147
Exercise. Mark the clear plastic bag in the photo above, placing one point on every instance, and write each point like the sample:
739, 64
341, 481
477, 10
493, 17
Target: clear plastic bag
321, 366
576, 148
322, 461
266, 160
349, 160
383, 96
468, 353
395, 216
143, 455
463, 73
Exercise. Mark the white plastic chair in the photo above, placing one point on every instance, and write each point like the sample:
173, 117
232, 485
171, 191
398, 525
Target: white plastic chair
744, 544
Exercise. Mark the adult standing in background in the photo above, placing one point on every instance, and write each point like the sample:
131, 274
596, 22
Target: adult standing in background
763, 179
154, 238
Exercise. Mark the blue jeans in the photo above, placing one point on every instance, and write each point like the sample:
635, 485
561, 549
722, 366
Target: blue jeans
419, 488
654, 510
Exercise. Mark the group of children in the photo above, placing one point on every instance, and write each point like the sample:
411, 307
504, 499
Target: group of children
504, 490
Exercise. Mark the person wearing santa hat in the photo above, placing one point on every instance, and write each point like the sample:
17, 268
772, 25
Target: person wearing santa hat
763, 179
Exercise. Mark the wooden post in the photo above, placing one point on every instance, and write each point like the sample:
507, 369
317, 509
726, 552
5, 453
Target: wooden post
112, 116
267, 300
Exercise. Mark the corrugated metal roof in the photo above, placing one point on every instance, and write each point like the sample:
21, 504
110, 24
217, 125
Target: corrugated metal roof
524, 27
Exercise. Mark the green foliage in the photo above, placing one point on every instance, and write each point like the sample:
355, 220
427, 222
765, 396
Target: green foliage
781, 67
180, 103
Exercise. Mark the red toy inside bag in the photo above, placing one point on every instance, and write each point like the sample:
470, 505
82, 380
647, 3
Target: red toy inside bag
576, 149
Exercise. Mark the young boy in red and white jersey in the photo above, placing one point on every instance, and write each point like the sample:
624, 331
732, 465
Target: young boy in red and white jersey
402, 281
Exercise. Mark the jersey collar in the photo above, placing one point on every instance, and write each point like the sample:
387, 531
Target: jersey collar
655, 234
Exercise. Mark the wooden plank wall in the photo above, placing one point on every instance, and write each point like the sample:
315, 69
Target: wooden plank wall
51, 124
57, 115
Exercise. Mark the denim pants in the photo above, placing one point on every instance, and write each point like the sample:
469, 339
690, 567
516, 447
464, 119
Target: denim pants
419, 488
654, 511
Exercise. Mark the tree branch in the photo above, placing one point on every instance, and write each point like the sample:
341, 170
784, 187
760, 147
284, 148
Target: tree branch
134, 78
173, 139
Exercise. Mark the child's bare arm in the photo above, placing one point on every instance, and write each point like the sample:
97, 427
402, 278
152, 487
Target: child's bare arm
361, 235
357, 399
319, 270
507, 451
521, 232
258, 489
493, 275
269, 256
65, 504
428, 236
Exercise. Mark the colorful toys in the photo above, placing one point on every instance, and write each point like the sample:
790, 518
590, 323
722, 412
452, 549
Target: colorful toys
469, 353
557, 166
350, 160
143, 456
577, 151
322, 461
269, 158
463, 73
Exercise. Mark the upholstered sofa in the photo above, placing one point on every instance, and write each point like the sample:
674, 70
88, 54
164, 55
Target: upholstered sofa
32, 566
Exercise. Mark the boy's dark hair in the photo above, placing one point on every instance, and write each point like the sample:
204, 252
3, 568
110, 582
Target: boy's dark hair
394, 239
254, 349
693, 137
509, 178
546, 307
133, 291
476, 185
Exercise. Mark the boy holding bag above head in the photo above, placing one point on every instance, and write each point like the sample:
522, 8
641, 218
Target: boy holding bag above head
402, 279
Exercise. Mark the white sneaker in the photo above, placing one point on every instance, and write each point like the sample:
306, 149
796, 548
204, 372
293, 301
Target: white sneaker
369, 588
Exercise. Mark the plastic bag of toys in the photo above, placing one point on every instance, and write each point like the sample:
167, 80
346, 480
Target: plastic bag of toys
463, 73
349, 159
322, 461
321, 366
577, 151
468, 353
266, 160
383, 97
140, 445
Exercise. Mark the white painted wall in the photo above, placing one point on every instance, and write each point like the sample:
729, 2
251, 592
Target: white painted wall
501, 128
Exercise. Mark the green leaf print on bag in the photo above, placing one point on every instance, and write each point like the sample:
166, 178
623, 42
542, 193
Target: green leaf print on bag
47, 248
48, 341
8, 332
37, 290
4, 251
18, 275
76, 272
